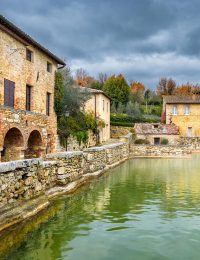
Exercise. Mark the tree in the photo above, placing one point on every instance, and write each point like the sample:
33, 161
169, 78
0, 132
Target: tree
96, 85
82, 78
69, 101
137, 86
166, 87
59, 93
132, 109
117, 88
102, 78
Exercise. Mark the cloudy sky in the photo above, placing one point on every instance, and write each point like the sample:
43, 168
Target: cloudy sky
143, 39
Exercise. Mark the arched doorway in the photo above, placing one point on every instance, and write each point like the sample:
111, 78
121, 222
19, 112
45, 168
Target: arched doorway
13, 145
34, 145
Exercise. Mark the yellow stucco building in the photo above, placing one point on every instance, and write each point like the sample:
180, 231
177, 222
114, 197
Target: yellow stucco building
184, 112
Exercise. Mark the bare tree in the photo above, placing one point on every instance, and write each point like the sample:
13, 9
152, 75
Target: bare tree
166, 87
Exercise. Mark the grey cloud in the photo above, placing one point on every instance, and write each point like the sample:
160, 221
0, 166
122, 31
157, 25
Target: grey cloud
91, 31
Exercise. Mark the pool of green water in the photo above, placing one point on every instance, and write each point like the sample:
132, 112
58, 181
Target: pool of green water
143, 209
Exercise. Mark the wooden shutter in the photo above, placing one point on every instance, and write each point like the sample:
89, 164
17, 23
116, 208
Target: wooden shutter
28, 98
9, 93
48, 99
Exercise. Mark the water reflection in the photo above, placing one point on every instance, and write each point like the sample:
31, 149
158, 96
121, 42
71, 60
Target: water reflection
151, 202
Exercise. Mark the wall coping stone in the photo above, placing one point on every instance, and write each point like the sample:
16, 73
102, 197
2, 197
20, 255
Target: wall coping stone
13, 165
47, 164
66, 155
108, 146
104, 147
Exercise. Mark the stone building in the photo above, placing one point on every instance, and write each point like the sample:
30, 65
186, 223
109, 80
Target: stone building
99, 105
27, 75
154, 133
184, 112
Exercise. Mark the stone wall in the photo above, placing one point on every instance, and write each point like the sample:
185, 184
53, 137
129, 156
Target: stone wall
73, 144
159, 151
118, 131
26, 179
172, 139
191, 142
16, 68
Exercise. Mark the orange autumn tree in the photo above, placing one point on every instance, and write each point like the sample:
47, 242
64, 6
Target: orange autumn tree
137, 86
187, 90
183, 90
83, 79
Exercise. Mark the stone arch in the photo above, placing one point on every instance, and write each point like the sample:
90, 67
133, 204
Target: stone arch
34, 145
13, 145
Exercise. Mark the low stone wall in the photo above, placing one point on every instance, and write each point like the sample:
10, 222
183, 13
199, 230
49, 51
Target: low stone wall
118, 131
159, 151
26, 179
69, 166
191, 142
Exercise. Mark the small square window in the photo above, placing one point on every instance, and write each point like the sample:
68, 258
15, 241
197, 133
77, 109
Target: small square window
49, 67
29, 55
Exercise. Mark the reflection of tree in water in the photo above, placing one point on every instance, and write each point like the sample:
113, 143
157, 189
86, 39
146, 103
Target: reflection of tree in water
124, 194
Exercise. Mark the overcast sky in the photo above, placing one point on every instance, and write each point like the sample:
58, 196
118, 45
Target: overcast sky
143, 39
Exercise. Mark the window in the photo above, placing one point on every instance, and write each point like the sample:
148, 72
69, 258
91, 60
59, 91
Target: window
9, 93
174, 110
156, 140
155, 126
28, 98
186, 110
103, 105
190, 131
107, 106
48, 101
49, 67
29, 55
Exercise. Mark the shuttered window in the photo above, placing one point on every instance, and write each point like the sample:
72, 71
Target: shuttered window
48, 103
28, 97
9, 93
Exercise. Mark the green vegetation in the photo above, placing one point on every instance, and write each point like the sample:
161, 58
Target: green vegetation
142, 141
69, 101
125, 120
164, 141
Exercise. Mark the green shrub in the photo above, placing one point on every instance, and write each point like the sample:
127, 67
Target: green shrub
142, 141
164, 141
81, 136
123, 118
121, 124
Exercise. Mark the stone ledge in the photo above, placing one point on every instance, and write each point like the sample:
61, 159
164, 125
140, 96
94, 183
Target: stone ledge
64, 155
47, 164
104, 147
11, 166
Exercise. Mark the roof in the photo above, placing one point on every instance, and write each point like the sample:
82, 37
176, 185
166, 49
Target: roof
194, 99
27, 39
93, 91
156, 129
